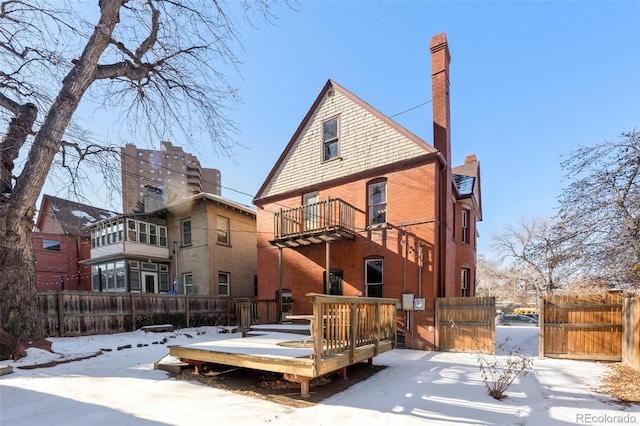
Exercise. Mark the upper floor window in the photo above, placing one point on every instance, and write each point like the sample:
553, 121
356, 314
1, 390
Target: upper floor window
185, 226
377, 202
466, 230
51, 245
330, 139
223, 230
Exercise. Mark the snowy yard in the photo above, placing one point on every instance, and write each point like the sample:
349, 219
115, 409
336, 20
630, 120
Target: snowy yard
120, 387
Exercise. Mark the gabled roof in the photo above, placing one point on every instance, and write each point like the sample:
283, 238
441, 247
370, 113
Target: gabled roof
71, 216
213, 198
412, 146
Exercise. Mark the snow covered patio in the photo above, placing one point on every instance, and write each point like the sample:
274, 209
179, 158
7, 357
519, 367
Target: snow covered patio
122, 387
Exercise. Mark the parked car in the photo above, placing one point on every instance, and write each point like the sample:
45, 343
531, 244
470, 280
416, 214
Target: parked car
521, 320
534, 316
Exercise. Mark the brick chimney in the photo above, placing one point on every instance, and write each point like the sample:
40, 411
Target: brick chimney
440, 60
445, 266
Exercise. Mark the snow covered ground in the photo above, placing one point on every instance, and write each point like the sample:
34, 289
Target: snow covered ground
120, 387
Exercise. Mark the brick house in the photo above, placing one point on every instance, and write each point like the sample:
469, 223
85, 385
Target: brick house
61, 243
203, 245
357, 205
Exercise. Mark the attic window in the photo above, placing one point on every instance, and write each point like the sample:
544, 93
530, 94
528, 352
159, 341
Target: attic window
330, 139
51, 245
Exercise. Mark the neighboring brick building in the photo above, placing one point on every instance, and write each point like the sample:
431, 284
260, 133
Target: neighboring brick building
203, 245
159, 177
358, 196
61, 243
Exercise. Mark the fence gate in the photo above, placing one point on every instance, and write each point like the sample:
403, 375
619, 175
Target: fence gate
466, 324
585, 327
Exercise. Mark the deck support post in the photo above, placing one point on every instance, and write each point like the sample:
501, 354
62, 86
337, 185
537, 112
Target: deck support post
304, 383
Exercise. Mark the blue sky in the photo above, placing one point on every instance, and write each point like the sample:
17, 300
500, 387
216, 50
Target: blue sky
530, 81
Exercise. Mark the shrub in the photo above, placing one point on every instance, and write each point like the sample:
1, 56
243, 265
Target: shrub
499, 372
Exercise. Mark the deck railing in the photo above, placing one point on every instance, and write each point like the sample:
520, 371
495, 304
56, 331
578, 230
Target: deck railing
347, 324
324, 216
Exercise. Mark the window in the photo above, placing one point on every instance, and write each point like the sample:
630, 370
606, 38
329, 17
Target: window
132, 233
142, 234
377, 202
223, 283
51, 245
186, 232
465, 277
223, 230
373, 277
163, 236
466, 231
187, 279
120, 273
140, 153
330, 139
153, 235
164, 278
311, 211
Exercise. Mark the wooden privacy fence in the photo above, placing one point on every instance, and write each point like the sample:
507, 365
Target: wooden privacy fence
631, 334
260, 311
581, 327
71, 313
466, 324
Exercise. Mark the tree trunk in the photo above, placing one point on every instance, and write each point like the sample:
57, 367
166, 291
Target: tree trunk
18, 304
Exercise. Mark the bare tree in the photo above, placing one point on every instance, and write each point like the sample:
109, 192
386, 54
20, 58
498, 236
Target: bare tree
163, 62
601, 208
539, 250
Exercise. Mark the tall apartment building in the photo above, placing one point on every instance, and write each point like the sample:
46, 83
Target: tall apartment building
158, 177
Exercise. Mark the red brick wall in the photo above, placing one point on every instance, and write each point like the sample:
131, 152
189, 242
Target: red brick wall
465, 256
52, 266
410, 208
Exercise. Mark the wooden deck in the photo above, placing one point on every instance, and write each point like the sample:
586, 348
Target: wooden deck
346, 331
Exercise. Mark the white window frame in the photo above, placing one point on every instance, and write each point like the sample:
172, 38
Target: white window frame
187, 282
223, 231
328, 141
377, 212
224, 288
369, 283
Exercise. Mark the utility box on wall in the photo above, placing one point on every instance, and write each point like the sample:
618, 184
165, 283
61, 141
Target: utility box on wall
418, 304
407, 302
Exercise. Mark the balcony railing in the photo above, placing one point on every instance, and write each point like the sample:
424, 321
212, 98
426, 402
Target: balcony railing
319, 222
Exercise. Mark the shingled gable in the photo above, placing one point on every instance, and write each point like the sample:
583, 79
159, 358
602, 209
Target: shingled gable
368, 140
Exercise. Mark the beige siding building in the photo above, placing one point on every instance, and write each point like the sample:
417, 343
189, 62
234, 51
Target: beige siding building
159, 177
202, 245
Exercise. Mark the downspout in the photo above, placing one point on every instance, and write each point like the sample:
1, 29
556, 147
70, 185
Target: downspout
280, 284
406, 254
420, 269
176, 270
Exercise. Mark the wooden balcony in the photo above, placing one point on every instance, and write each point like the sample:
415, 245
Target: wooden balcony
321, 222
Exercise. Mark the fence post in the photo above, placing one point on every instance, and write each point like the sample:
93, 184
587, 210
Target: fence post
133, 312
541, 326
186, 309
436, 324
61, 332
